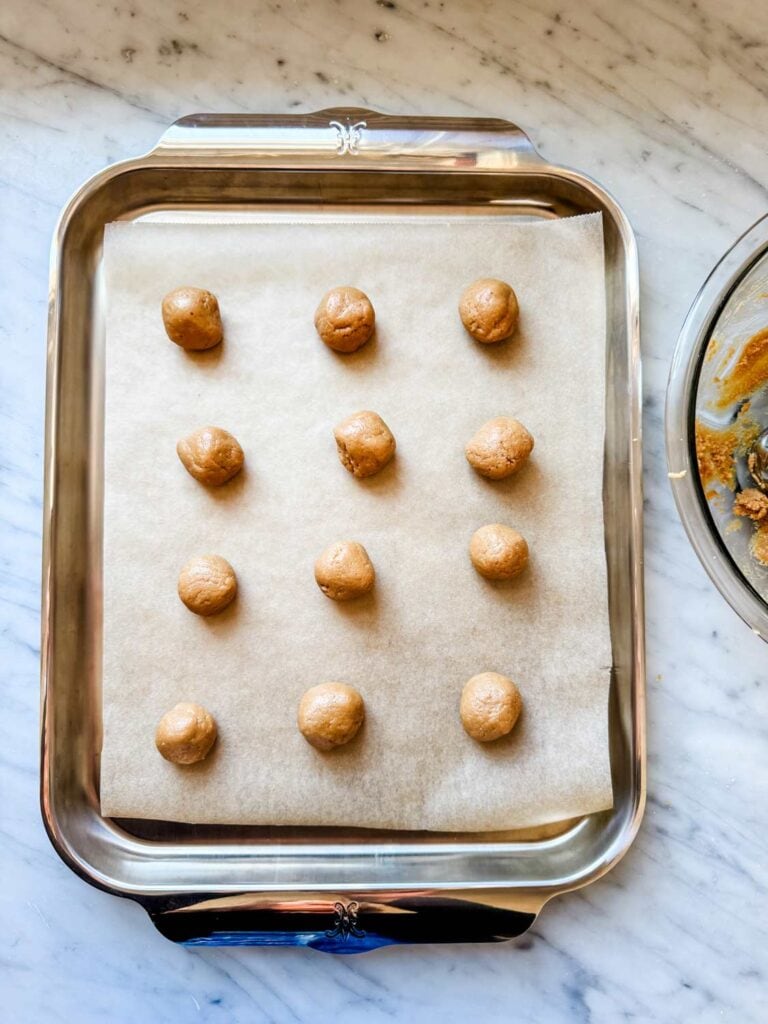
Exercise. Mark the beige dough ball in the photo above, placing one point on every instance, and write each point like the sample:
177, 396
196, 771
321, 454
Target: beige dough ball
365, 443
185, 734
344, 571
330, 715
192, 319
499, 448
207, 584
211, 455
488, 309
345, 319
490, 706
498, 552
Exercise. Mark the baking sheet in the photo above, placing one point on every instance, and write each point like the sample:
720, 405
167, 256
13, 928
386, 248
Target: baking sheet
431, 621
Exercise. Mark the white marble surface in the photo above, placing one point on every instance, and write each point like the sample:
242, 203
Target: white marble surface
665, 103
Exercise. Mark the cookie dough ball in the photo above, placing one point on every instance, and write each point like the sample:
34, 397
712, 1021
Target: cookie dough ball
345, 319
207, 584
365, 443
499, 448
330, 715
185, 734
344, 571
211, 455
498, 552
192, 319
489, 310
490, 706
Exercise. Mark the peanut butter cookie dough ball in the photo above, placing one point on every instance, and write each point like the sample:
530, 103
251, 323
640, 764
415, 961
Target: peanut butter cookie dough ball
490, 706
185, 734
207, 584
365, 443
345, 319
330, 715
488, 309
344, 571
192, 319
498, 552
499, 448
211, 455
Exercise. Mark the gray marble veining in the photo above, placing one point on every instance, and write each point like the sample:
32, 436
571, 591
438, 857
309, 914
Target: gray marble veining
663, 102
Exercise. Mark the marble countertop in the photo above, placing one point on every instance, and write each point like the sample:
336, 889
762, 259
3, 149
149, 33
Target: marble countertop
664, 103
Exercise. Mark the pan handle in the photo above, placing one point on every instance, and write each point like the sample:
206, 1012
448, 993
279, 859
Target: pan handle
335, 923
351, 136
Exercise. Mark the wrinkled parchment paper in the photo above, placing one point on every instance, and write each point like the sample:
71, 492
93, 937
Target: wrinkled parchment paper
431, 622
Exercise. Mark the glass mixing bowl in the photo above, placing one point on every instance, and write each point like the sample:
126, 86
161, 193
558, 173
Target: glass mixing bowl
718, 391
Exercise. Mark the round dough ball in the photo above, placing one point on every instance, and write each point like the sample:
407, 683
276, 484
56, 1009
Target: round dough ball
499, 448
345, 319
344, 571
488, 309
211, 455
330, 715
498, 552
365, 443
207, 584
185, 734
192, 319
490, 706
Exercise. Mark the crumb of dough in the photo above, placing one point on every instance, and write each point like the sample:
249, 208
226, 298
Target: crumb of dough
716, 450
759, 544
751, 503
714, 453
749, 373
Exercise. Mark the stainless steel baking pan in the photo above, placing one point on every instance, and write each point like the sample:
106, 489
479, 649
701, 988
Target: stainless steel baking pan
334, 889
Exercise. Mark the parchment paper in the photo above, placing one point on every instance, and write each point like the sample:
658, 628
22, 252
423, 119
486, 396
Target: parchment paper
431, 622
